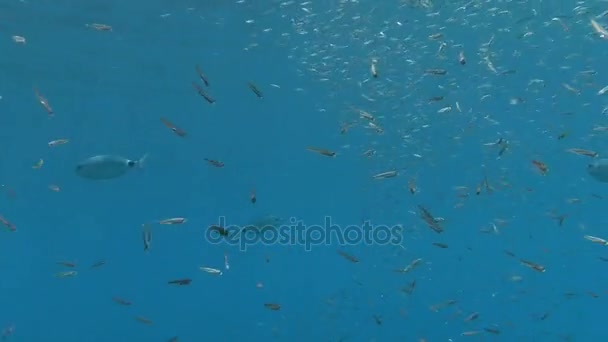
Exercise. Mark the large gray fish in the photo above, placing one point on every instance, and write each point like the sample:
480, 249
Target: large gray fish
107, 166
598, 169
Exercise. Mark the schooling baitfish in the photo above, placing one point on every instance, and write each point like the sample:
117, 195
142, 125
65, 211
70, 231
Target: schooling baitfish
598, 169
107, 167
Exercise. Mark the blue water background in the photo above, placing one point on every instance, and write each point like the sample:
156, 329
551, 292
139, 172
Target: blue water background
109, 89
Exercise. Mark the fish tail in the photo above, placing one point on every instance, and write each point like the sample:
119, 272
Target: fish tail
141, 162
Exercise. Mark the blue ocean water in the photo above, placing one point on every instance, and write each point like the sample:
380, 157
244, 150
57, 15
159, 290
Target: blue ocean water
109, 89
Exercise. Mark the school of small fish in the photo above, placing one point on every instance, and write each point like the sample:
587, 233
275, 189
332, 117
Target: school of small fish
422, 92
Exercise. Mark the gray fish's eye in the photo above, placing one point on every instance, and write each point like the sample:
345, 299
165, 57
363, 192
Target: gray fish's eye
131, 163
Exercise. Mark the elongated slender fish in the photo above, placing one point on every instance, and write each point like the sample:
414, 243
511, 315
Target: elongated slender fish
107, 166
598, 169
387, 174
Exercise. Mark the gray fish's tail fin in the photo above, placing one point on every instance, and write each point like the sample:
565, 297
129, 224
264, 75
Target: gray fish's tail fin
142, 161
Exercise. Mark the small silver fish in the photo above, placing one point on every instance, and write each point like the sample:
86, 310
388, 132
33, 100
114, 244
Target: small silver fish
598, 169
387, 174
107, 166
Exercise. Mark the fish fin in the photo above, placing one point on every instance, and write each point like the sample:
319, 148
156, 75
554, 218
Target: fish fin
141, 162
